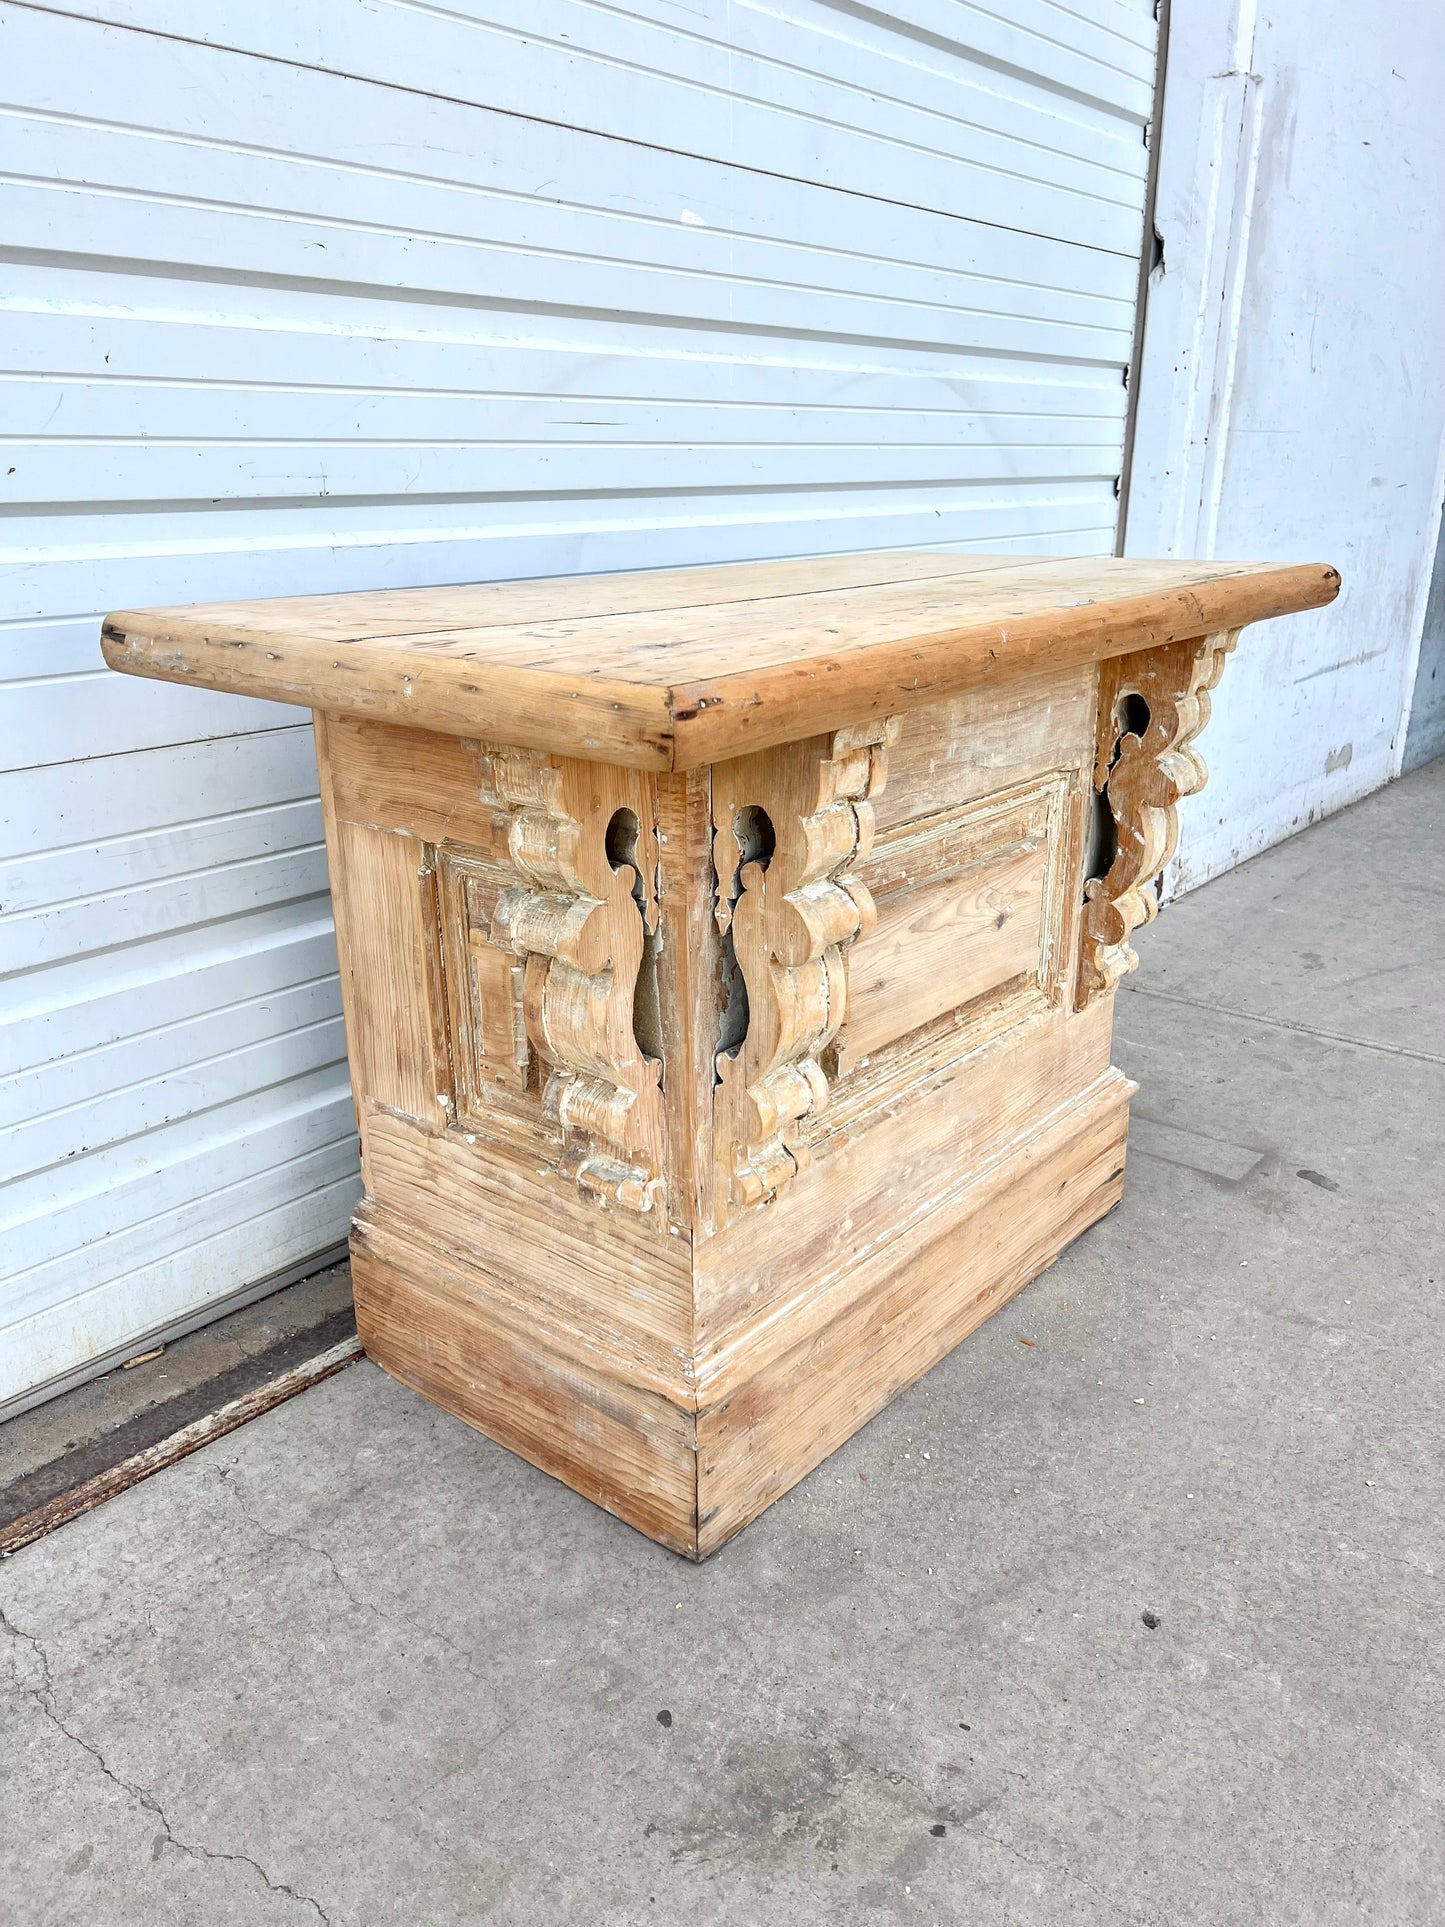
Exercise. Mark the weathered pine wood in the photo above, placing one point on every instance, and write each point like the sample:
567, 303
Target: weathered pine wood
620, 1278
1144, 777
657, 684
788, 825
628, 1449
985, 741
727, 959
960, 911
890, 1168
392, 965
950, 1274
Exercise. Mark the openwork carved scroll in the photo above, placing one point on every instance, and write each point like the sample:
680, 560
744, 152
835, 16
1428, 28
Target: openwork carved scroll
788, 823
582, 928
1151, 707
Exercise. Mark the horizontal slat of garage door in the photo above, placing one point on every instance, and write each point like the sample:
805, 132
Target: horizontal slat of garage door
345, 295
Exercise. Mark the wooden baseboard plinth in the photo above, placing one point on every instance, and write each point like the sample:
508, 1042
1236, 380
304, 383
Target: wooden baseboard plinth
691, 1466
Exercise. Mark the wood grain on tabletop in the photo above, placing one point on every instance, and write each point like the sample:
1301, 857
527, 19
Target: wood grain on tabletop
676, 668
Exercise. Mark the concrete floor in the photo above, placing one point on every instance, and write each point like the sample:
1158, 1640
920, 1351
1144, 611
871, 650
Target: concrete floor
356, 1664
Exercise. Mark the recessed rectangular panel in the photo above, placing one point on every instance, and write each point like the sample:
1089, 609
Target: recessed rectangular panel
945, 942
390, 950
969, 903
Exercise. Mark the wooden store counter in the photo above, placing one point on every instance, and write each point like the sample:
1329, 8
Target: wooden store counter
728, 958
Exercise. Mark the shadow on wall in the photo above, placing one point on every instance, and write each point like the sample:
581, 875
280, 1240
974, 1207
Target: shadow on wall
1425, 736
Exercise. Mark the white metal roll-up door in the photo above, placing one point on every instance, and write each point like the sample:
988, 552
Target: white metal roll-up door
350, 295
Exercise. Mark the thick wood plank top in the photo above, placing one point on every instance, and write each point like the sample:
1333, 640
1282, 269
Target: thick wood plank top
680, 667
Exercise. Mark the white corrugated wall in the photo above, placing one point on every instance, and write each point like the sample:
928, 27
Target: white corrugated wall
361, 294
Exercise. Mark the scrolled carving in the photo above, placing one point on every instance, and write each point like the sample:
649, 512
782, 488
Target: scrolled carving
788, 823
1142, 769
581, 923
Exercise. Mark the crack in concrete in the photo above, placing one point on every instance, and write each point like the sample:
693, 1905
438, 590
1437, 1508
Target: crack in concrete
1069, 1873
1284, 1023
44, 1697
365, 1605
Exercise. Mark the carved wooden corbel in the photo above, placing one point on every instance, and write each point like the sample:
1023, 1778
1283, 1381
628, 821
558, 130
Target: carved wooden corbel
1151, 707
788, 823
582, 925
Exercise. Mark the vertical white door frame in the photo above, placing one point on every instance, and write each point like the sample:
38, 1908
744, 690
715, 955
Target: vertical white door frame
1421, 609
1191, 311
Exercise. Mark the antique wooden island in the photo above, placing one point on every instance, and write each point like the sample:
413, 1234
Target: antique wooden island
728, 960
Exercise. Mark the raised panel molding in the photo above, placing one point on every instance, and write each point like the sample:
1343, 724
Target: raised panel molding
971, 903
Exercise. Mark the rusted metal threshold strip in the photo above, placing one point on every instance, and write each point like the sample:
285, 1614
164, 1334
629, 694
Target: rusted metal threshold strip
78, 1481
